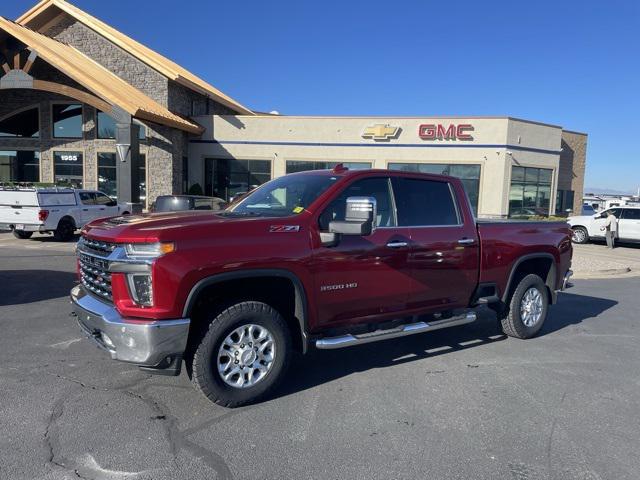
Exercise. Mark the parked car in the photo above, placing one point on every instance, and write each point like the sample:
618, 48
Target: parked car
179, 203
328, 259
60, 211
590, 227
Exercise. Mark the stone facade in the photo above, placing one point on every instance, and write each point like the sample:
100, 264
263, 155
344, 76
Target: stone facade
164, 147
572, 166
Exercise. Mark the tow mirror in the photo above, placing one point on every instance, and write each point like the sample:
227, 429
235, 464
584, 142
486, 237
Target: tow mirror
359, 218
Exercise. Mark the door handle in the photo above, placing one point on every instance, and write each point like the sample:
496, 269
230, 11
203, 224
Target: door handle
102, 208
85, 209
466, 241
397, 244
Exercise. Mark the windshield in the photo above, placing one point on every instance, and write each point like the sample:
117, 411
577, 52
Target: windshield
284, 196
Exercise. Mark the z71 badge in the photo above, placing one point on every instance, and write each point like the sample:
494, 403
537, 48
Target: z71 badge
284, 228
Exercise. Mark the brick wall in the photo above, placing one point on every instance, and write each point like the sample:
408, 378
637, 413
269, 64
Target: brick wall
573, 160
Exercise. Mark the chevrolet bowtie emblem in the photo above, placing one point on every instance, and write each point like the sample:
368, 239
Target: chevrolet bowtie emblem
380, 132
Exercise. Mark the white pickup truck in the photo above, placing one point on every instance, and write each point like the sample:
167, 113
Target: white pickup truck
60, 211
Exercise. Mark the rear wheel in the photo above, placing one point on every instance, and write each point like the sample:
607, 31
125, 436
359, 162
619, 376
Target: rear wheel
65, 230
579, 235
527, 308
243, 356
22, 235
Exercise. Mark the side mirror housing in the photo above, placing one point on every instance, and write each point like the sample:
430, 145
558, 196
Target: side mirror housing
359, 219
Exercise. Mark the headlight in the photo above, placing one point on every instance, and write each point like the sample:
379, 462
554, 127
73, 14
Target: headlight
141, 288
149, 250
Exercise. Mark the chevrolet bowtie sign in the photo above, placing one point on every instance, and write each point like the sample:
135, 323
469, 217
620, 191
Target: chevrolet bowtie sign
380, 132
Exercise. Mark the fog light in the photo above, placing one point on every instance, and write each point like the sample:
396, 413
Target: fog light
141, 289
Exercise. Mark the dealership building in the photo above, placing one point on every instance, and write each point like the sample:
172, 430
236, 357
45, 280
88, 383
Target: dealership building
83, 104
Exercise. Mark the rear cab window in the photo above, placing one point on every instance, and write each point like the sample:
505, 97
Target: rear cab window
425, 203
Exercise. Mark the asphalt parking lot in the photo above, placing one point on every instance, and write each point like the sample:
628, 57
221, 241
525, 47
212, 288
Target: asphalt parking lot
464, 403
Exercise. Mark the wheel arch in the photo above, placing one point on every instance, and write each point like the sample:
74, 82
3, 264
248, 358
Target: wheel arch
300, 306
543, 264
69, 218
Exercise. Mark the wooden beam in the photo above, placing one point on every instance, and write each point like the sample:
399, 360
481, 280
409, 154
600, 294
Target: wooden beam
32, 58
6, 68
16, 61
74, 93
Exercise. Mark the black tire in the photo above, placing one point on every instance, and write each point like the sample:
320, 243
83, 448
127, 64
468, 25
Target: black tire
512, 322
580, 235
65, 230
205, 375
22, 235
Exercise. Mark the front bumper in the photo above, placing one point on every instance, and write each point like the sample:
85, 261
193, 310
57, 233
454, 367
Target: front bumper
566, 283
148, 344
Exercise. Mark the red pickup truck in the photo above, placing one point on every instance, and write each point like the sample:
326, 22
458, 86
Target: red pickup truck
327, 259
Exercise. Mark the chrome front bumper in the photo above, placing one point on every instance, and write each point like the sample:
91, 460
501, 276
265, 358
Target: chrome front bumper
151, 344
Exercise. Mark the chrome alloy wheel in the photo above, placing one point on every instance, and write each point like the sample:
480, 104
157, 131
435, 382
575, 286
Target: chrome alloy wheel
531, 307
246, 356
578, 235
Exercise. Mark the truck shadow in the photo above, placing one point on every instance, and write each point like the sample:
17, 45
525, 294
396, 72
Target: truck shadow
320, 367
27, 286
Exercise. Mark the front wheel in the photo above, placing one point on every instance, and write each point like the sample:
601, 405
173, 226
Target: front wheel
22, 235
579, 235
527, 309
243, 356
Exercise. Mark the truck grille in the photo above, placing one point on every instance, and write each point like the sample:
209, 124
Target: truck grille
94, 267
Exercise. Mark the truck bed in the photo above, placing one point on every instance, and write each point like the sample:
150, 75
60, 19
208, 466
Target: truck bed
503, 243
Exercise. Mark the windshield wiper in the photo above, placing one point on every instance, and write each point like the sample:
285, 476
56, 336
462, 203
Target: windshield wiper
240, 214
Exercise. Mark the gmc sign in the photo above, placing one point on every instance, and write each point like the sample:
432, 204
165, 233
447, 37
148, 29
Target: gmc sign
432, 131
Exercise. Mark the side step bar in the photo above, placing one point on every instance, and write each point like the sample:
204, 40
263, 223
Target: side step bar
349, 340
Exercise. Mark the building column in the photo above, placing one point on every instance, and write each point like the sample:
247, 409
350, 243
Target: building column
128, 162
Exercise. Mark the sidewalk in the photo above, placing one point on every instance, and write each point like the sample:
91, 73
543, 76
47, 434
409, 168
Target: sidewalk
595, 260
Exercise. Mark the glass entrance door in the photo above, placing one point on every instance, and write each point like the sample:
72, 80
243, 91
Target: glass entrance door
228, 178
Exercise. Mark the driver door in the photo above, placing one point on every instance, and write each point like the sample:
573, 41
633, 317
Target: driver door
362, 276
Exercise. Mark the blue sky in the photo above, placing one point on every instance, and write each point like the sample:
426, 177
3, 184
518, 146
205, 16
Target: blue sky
571, 63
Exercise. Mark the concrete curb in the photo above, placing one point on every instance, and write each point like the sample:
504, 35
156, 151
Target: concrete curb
610, 272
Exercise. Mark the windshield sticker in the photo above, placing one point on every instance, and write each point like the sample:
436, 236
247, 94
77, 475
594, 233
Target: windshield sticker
284, 228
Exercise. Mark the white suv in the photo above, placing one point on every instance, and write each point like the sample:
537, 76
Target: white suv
589, 227
60, 211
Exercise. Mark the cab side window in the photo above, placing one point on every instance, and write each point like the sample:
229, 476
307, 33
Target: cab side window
425, 203
378, 188
102, 199
631, 214
87, 198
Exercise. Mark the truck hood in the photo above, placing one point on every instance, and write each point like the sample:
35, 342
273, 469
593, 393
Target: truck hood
152, 227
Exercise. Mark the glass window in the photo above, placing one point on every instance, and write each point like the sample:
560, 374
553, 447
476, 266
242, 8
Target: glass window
19, 166
530, 193
377, 188
67, 121
143, 179
185, 175
106, 126
87, 198
284, 196
102, 199
228, 178
631, 214
25, 124
68, 168
469, 174
107, 174
424, 203
304, 165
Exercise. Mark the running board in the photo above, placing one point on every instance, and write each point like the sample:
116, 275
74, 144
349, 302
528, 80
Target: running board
349, 340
